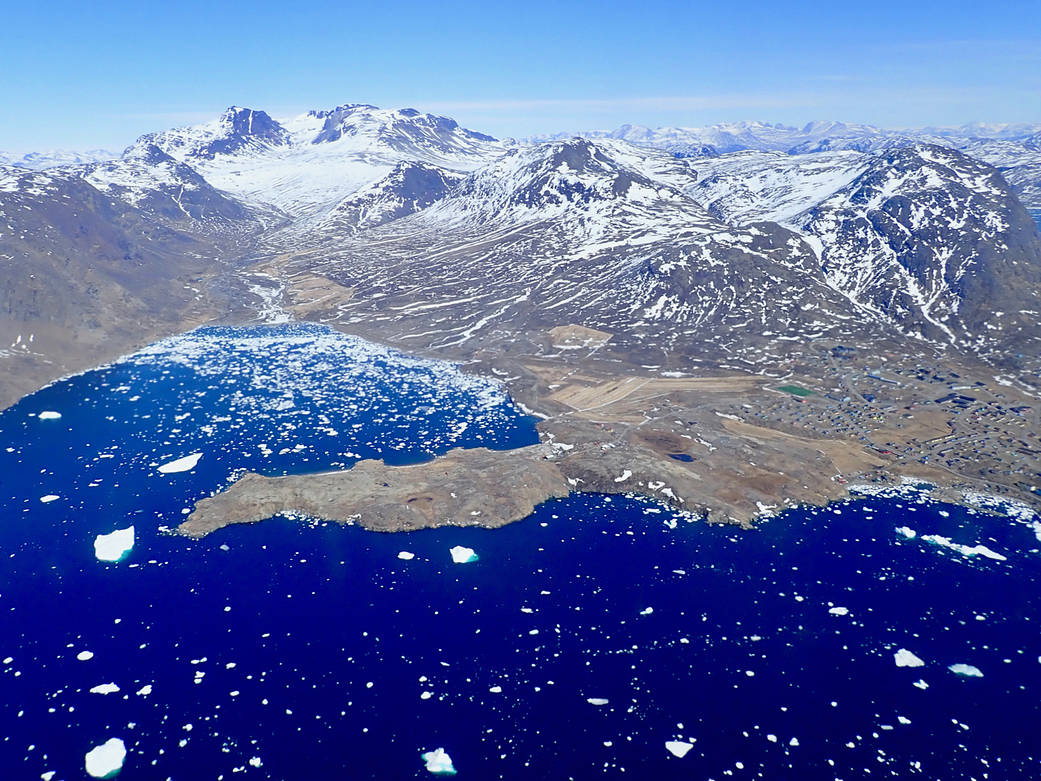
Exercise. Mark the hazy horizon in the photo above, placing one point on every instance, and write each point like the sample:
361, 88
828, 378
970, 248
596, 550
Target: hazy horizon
81, 77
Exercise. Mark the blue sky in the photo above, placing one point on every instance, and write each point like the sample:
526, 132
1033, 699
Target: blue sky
79, 75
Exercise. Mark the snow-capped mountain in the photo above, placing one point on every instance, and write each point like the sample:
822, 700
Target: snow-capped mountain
936, 243
752, 186
575, 231
591, 188
662, 238
409, 187
308, 164
817, 136
39, 161
155, 183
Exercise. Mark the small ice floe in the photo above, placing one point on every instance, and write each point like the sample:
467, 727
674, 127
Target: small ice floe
907, 532
85, 656
114, 546
438, 762
495, 690
255, 762
905, 658
144, 691
966, 670
965, 550
181, 464
678, 748
597, 700
49, 414
461, 555
49, 498
646, 611
406, 556
106, 760
105, 688
839, 611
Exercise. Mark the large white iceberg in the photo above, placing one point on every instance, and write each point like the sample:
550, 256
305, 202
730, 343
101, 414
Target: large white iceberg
965, 550
966, 670
438, 762
678, 748
48, 414
181, 464
106, 760
905, 658
114, 546
461, 555
105, 688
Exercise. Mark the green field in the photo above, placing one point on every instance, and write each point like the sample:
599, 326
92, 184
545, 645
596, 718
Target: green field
795, 390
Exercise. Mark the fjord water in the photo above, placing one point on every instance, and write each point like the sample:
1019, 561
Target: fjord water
581, 641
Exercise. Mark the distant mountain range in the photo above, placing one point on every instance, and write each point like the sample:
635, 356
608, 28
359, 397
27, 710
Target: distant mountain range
737, 240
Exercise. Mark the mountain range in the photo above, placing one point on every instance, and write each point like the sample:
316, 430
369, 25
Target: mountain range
730, 243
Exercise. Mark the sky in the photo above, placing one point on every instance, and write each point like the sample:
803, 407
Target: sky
79, 75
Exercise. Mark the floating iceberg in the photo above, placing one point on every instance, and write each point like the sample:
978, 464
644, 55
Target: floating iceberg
905, 658
49, 415
85, 656
597, 700
839, 611
105, 688
461, 555
966, 670
965, 550
114, 546
406, 556
438, 762
906, 531
181, 464
106, 760
678, 748
49, 498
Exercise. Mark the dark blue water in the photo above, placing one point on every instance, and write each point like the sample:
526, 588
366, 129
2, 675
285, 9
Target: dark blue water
314, 651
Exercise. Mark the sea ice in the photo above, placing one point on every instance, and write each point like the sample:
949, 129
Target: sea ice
49, 498
85, 656
461, 555
114, 546
597, 700
906, 531
966, 670
105, 688
839, 611
106, 760
905, 658
49, 415
678, 748
406, 556
181, 464
438, 762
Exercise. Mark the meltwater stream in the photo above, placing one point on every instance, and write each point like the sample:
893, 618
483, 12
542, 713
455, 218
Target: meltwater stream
603, 636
